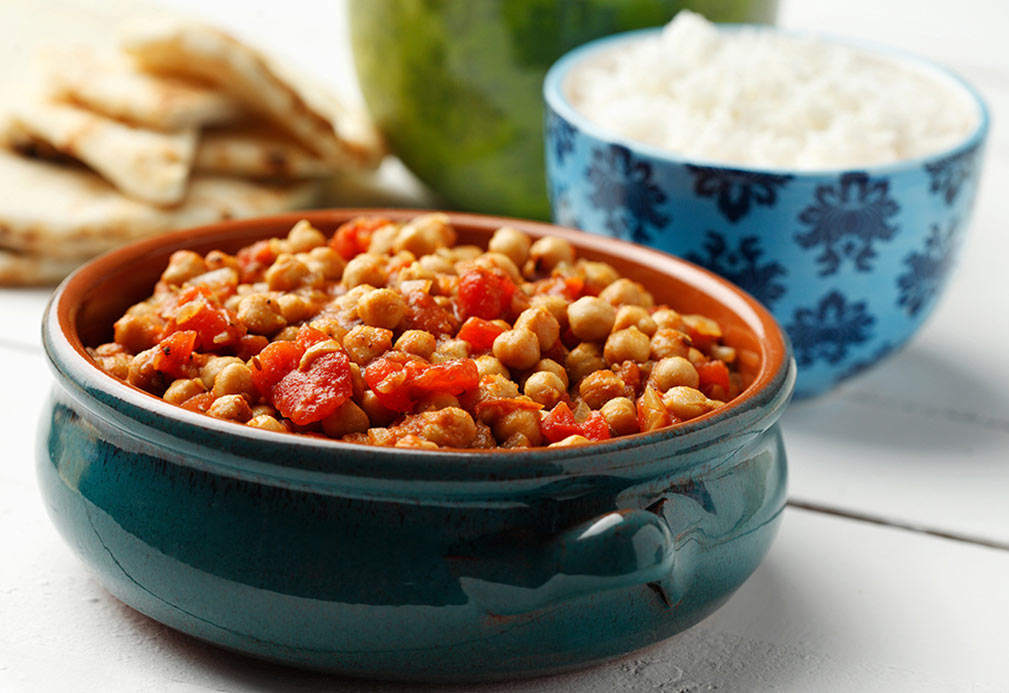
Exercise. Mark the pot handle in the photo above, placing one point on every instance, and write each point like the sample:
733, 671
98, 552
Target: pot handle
620, 549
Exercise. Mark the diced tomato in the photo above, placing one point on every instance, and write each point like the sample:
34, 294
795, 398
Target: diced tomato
307, 336
388, 379
400, 383
174, 353
255, 257
196, 308
479, 333
484, 293
423, 313
354, 236
200, 402
571, 288
594, 427
310, 395
273, 363
713, 373
453, 377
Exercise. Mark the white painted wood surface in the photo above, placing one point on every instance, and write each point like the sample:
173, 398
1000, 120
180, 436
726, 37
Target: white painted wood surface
840, 604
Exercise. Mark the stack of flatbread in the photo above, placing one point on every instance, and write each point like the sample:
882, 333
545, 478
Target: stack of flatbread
181, 125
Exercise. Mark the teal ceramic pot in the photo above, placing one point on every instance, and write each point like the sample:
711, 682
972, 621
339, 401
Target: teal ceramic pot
455, 84
406, 564
850, 261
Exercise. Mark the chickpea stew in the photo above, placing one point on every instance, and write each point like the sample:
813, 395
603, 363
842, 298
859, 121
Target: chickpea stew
389, 333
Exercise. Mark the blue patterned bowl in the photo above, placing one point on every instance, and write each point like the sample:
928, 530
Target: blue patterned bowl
849, 261
409, 564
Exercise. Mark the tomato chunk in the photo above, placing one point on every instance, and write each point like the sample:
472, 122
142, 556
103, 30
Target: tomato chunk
354, 236
713, 373
400, 383
485, 293
310, 395
198, 309
454, 377
479, 333
594, 427
560, 423
174, 353
273, 363
423, 313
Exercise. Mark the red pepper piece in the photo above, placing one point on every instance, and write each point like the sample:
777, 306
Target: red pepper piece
559, 423
484, 293
479, 333
174, 353
354, 236
594, 427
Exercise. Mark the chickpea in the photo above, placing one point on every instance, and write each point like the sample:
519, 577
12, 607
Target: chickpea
348, 418
181, 390
548, 252
450, 350
598, 275
357, 381
286, 273
626, 345
436, 401
267, 423
117, 364
569, 441
518, 348
382, 308
331, 327
598, 388
667, 317
696, 356
557, 305
234, 379
674, 371
451, 427
552, 366
520, 421
383, 239
364, 343
502, 262
510, 242
231, 407
545, 388
263, 410
377, 413
634, 316
216, 259
214, 365
295, 308
260, 314
435, 264
490, 365
183, 265
687, 403
417, 342
517, 441
583, 359
626, 292
621, 416
139, 329
288, 334
723, 353
424, 234
326, 262
591, 318
366, 268
304, 237
668, 342
541, 323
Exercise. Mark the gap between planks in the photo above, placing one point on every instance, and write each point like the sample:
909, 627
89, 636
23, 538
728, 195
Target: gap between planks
907, 526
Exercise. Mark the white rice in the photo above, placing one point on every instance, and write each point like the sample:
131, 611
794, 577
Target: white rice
760, 98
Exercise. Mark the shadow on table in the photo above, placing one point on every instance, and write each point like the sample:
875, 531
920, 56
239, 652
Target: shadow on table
916, 400
718, 653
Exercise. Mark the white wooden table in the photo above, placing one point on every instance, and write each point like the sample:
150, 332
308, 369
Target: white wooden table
891, 572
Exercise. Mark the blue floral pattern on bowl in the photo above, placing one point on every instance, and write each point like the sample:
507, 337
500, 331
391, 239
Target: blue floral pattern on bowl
851, 262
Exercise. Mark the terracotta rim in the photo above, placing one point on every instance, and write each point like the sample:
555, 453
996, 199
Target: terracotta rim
64, 342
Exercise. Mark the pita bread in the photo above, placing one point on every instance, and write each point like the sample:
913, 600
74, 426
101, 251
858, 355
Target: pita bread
110, 83
147, 164
343, 138
70, 213
256, 153
17, 269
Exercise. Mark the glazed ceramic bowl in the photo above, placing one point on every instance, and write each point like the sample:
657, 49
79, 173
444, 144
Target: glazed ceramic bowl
409, 564
850, 262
